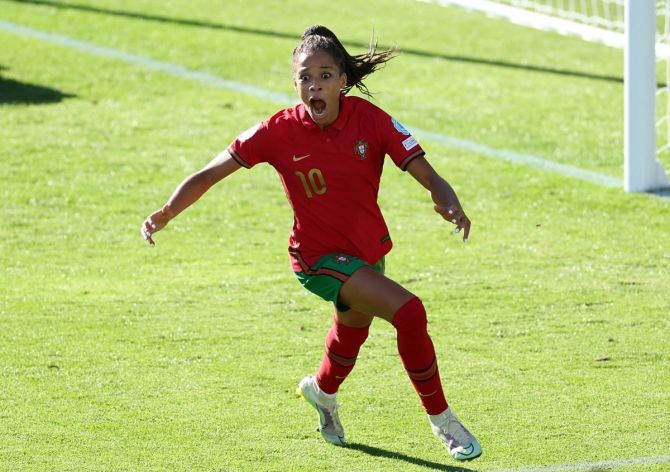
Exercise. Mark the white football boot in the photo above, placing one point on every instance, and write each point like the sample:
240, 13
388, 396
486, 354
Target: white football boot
460, 443
326, 406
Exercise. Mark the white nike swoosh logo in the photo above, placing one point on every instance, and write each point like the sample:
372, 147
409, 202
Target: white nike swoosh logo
296, 158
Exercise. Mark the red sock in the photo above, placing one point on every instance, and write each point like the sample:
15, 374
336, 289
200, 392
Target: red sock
418, 355
342, 346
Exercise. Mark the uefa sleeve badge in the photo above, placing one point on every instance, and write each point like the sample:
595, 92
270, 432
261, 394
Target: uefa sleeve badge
400, 128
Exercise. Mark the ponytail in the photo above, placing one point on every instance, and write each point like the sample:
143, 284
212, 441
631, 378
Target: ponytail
356, 68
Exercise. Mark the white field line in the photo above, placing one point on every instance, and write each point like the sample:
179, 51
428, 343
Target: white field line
145, 62
205, 78
591, 466
521, 159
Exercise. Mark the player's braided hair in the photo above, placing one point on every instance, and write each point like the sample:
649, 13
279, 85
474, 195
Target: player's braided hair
356, 68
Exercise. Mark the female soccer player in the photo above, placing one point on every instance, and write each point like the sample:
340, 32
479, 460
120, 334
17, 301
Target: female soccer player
329, 151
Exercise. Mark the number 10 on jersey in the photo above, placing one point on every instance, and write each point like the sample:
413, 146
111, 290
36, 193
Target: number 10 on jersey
313, 182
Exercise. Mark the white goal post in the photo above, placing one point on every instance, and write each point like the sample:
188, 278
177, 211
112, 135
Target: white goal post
629, 24
642, 170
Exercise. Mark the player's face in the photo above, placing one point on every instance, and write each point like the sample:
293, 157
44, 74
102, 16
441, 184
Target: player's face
318, 80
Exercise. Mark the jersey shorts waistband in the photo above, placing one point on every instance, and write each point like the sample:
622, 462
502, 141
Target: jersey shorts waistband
326, 277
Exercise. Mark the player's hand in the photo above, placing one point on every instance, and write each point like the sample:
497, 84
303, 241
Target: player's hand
456, 215
154, 223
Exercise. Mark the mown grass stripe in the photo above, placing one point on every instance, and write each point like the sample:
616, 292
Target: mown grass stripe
176, 70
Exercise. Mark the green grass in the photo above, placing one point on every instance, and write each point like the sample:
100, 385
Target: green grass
551, 324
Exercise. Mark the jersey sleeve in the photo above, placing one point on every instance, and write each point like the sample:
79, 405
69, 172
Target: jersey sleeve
253, 146
399, 144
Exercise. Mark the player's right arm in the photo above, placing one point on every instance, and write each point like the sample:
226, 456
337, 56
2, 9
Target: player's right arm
188, 192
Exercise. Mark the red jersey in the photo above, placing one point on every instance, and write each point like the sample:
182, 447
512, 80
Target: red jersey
331, 176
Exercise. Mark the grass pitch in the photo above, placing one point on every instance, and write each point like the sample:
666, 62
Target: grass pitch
551, 324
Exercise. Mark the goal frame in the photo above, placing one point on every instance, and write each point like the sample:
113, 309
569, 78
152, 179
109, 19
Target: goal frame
643, 172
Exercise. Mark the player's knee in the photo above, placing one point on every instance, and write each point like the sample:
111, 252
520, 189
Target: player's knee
411, 316
350, 334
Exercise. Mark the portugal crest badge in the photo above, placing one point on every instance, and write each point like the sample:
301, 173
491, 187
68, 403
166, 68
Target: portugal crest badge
361, 148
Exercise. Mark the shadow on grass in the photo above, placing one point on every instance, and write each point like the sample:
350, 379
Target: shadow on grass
20, 93
661, 193
377, 452
296, 37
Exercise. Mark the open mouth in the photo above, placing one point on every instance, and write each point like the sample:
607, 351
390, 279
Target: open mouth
318, 107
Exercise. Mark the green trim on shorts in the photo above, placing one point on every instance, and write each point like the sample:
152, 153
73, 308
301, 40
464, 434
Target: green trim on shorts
326, 277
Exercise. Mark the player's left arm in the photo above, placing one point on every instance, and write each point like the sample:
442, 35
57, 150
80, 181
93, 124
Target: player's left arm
443, 195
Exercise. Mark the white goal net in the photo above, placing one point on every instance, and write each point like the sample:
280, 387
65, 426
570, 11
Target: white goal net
624, 24
605, 14
663, 78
